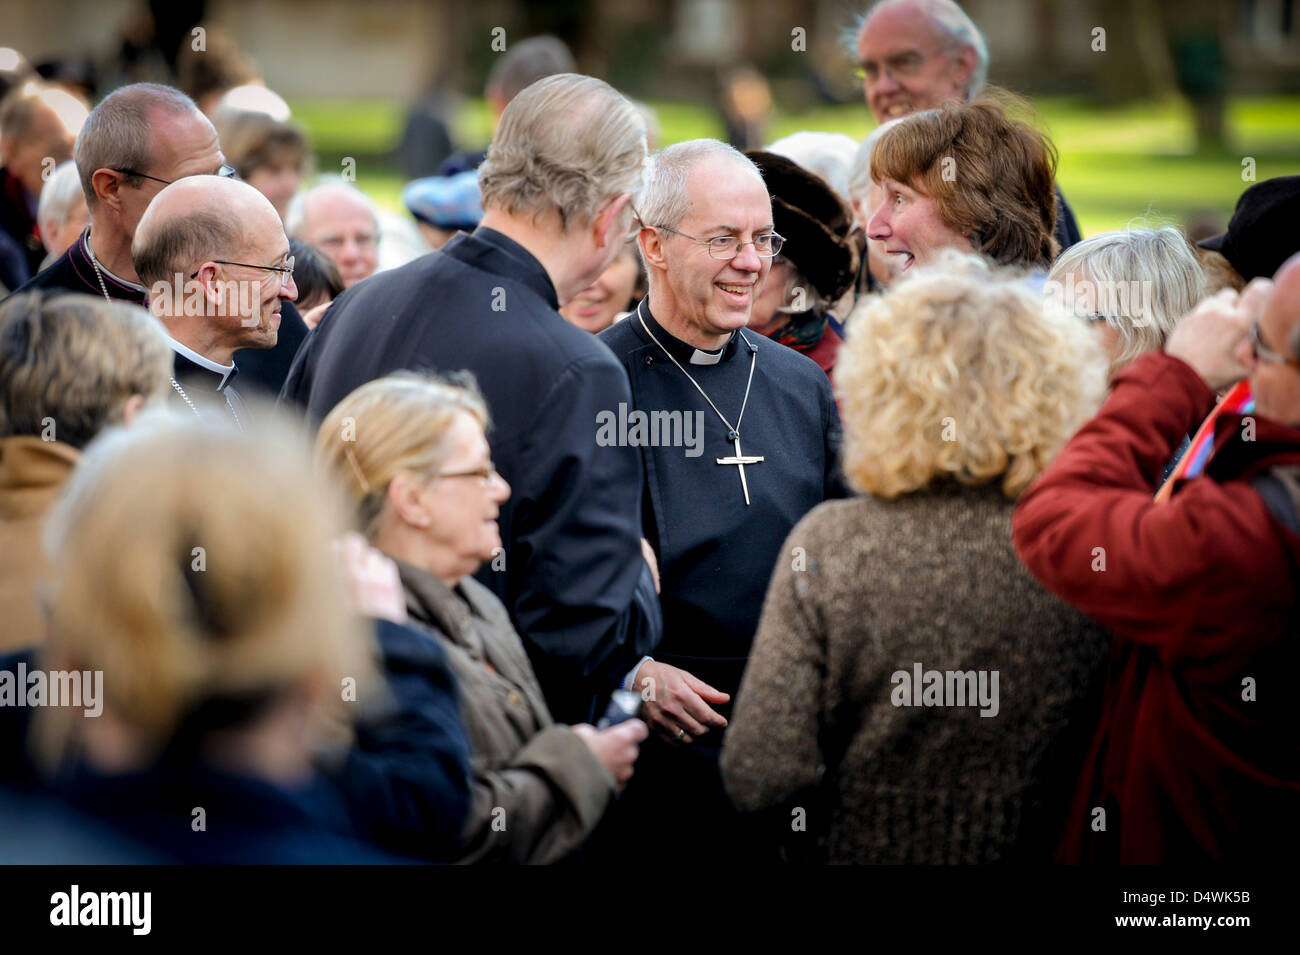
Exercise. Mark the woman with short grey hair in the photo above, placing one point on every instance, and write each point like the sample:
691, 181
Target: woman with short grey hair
1132, 285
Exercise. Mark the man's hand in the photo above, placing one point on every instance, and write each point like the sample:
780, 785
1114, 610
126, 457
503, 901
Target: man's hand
1207, 337
676, 704
649, 553
616, 748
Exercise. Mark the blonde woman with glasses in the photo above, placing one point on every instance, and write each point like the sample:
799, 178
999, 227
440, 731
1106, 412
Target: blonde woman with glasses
414, 454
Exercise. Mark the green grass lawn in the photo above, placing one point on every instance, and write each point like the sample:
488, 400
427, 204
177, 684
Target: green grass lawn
1118, 165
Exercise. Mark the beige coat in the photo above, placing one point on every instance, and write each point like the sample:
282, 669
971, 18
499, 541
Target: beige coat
31, 473
538, 790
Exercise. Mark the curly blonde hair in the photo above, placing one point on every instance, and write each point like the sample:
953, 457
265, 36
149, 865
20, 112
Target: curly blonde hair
961, 372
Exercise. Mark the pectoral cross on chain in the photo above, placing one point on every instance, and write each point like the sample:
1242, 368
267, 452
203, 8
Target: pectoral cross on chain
740, 460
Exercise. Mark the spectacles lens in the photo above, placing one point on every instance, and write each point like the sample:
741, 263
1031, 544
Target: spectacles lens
774, 243
724, 247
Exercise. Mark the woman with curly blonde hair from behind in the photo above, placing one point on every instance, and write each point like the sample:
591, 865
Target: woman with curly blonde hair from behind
910, 683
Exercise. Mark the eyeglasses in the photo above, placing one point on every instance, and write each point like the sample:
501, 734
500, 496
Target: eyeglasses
727, 247
334, 243
724, 248
1261, 351
484, 474
286, 270
226, 171
904, 66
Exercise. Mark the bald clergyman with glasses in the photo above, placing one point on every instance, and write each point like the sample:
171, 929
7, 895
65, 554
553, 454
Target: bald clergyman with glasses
215, 259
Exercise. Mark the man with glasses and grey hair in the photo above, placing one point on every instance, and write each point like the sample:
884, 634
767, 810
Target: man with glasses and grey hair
914, 55
139, 139
739, 437
213, 254
567, 159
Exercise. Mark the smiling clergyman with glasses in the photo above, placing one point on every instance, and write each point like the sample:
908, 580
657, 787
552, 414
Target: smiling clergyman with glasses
717, 520
226, 237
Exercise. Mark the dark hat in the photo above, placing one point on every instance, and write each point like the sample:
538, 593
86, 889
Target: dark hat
1263, 231
814, 221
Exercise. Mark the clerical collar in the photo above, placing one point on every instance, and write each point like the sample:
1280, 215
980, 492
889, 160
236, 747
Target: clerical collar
117, 283
225, 371
681, 350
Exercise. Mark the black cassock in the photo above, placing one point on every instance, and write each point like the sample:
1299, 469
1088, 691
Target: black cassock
716, 554
574, 580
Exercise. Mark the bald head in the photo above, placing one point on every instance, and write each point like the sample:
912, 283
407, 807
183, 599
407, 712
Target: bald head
215, 258
200, 218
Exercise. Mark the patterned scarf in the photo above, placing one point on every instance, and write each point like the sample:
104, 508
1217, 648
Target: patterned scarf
801, 331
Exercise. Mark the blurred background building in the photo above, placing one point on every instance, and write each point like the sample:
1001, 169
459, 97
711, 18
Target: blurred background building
399, 48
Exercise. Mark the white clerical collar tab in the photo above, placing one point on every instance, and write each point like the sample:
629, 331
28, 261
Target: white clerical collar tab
700, 357
223, 370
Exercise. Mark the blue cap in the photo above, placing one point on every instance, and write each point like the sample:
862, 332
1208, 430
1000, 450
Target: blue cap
446, 202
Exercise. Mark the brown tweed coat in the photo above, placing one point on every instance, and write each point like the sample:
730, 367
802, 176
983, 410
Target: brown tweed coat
538, 790
865, 590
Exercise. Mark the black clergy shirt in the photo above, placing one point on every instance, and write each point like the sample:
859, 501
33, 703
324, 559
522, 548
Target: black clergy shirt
74, 271
716, 554
209, 390
571, 573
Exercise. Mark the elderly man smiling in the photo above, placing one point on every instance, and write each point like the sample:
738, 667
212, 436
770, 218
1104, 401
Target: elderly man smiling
718, 519
918, 54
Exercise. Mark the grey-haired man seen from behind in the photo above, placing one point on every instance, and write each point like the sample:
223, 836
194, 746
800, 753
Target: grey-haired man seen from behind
566, 161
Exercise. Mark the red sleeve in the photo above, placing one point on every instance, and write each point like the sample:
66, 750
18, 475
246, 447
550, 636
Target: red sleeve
1090, 531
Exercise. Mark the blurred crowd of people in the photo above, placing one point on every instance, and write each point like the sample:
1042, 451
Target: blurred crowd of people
830, 501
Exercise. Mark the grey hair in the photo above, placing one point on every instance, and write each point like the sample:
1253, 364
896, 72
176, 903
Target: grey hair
666, 202
564, 145
58, 197
118, 135
950, 20
1167, 276
295, 217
